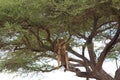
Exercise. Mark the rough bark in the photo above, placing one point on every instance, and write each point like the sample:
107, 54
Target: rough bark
99, 75
117, 74
102, 75
95, 66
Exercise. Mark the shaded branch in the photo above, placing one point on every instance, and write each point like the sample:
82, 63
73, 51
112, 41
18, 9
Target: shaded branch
48, 35
79, 62
75, 65
37, 37
81, 36
117, 74
26, 41
85, 60
77, 54
108, 47
104, 24
45, 55
45, 70
82, 74
111, 26
89, 42
76, 60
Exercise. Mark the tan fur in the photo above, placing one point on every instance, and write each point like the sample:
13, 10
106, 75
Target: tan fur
62, 55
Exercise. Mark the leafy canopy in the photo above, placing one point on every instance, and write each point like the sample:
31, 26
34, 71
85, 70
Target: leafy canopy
29, 29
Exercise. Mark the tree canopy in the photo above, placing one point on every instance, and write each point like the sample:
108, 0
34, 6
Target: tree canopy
29, 30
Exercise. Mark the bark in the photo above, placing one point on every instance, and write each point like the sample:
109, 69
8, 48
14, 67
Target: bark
102, 75
98, 75
108, 47
117, 74
96, 70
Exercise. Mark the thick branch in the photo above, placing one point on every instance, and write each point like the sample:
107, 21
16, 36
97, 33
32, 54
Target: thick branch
82, 74
75, 65
85, 60
107, 48
89, 42
117, 74
76, 60
77, 54
79, 62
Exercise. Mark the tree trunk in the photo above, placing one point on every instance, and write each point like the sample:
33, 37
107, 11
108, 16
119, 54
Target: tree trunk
117, 74
102, 75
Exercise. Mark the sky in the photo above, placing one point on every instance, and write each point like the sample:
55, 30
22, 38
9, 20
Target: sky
57, 74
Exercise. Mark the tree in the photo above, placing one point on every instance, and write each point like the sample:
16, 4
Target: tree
29, 30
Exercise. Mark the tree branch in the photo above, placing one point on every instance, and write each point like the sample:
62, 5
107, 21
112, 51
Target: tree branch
82, 74
76, 60
37, 37
81, 36
104, 24
48, 35
117, 74
111, 26
108, 47
89, 42
85, 60
77, 54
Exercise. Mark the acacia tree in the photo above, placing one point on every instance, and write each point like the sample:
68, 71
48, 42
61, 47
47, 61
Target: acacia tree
29, 30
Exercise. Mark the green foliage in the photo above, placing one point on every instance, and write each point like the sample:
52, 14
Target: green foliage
29, 27
24, 61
